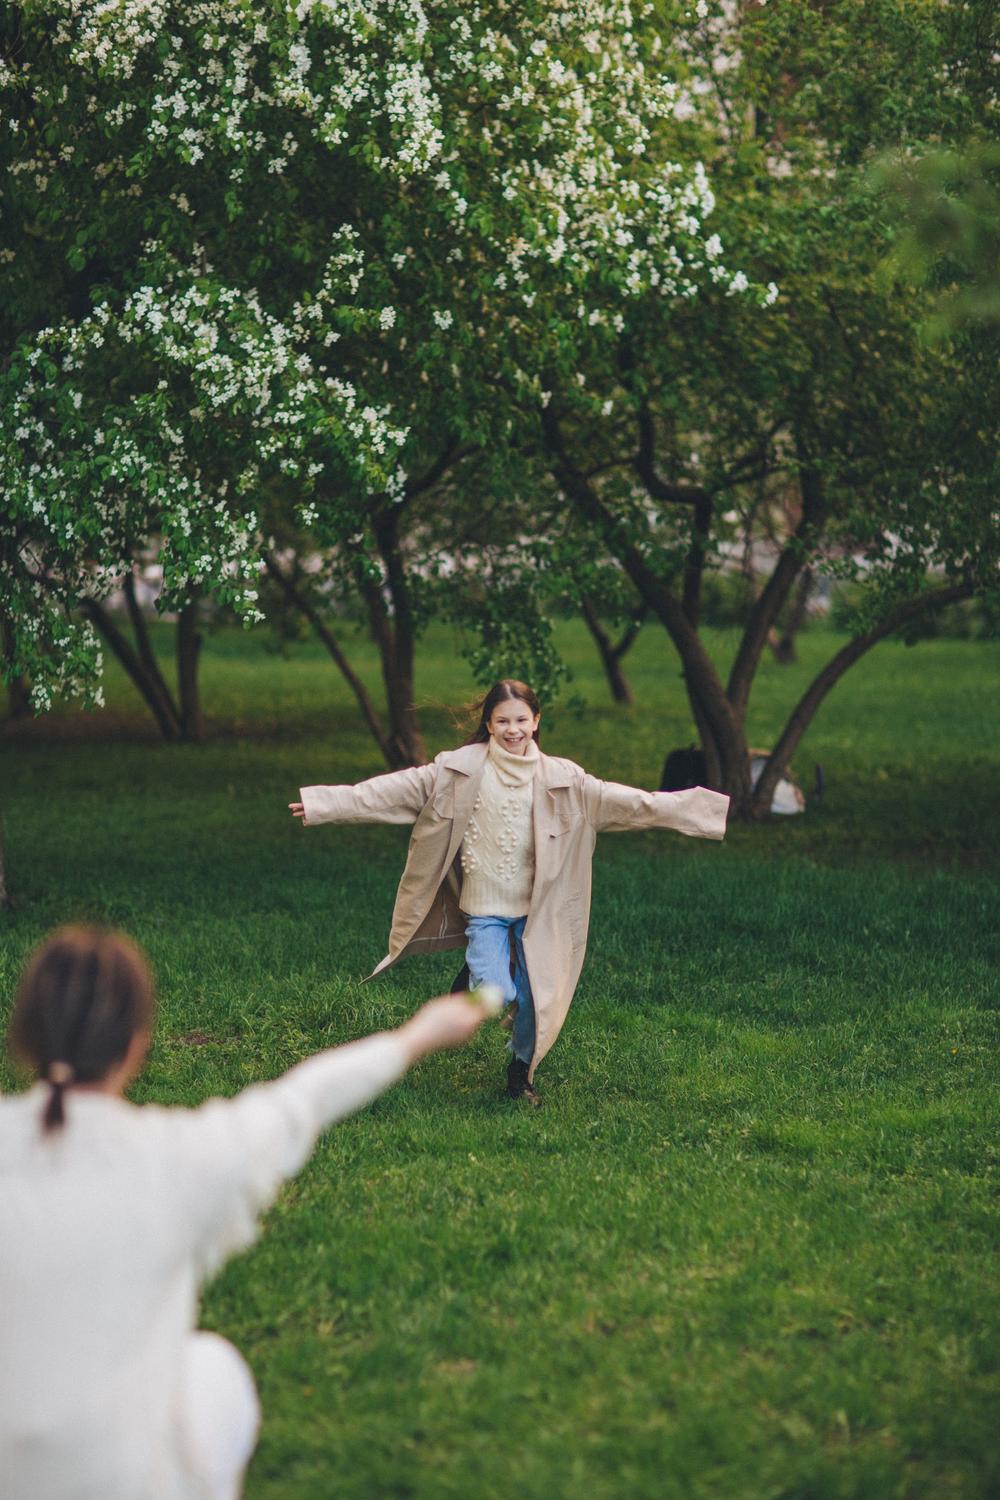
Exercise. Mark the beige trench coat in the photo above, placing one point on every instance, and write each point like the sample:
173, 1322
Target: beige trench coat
570, 809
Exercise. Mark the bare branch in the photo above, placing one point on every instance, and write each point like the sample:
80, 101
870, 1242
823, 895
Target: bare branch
751, 466
644, 464
450, 455
609, 651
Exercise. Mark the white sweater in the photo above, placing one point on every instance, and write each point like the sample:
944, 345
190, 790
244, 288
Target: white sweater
498, 850
107, 1229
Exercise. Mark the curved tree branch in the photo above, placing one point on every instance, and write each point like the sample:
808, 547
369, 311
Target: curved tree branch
611, 652
803, 712
451, 454
644, 464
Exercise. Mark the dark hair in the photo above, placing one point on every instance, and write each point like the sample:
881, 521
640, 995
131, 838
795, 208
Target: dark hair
86, 992
507, 687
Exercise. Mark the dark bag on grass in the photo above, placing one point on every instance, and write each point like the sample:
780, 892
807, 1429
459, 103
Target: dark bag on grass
683, 769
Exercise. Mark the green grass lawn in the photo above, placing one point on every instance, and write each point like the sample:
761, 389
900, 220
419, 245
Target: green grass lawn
744, 1251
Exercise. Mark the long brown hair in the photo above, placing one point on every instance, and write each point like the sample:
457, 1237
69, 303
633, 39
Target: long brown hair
86, 992
507, 687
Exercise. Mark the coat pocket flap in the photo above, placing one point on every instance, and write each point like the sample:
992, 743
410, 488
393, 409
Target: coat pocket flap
443, 802
559, 823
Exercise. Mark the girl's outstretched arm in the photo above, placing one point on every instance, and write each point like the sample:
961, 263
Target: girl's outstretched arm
613, 808
397, 797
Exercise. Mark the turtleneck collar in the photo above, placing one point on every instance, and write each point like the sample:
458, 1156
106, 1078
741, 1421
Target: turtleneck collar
514, 770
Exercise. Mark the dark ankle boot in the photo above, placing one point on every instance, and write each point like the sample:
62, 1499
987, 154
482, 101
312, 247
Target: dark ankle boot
518, 1085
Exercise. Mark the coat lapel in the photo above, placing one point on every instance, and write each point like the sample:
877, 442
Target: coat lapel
466, 766
550, 814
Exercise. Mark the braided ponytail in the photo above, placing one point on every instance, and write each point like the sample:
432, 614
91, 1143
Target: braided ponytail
58, 1076
84, 996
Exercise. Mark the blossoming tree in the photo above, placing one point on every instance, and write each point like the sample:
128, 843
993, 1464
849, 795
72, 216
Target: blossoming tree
317, 261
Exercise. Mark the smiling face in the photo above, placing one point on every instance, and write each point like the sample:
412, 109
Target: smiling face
512, 725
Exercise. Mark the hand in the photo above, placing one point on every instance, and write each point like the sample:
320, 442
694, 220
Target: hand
448, 1021
298, 811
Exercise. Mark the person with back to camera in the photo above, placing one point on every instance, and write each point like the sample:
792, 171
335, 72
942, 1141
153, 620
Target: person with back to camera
113, 1215
500, 859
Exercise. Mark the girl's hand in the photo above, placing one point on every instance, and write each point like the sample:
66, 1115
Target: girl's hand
298, 811
448, 1021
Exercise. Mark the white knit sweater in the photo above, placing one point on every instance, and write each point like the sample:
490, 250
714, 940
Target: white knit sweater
498, 851
109, 1225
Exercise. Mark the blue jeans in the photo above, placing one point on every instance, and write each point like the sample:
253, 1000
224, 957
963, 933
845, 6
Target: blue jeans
492, 942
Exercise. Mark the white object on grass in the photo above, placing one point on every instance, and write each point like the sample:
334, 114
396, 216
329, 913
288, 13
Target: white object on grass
788, 797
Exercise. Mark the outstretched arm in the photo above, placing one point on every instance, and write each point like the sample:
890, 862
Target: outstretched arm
244, 1148
398, 797
613, 808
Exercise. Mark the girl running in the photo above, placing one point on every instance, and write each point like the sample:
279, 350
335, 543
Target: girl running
500, 859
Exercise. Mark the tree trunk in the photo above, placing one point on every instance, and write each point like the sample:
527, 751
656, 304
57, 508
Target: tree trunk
405, 741
734, 773
6, 901
610, 653
188, 651
694, 572
707, 742
144, 649
163, 712
783, 645
694, 566
804, 711
395, 636
18, 687
19, 698
721, 728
